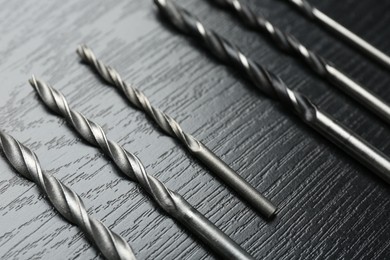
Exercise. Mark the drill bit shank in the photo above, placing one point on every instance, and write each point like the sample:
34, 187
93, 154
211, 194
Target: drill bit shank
66, 201
273, 86
314, 14
131, 166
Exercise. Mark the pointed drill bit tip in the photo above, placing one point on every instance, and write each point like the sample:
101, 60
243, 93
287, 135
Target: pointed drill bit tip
32, 81
80, 48
35, 82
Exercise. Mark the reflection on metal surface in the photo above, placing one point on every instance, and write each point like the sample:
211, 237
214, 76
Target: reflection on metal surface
322, 67
131, 166
273, 86
332, 25
171, 127
65, 200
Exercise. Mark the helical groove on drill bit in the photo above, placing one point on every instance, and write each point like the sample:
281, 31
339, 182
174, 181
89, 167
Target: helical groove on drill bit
127, 162
265, 80
171, 127
131, 166
65, 200
322, 67
273, 86
138, 99
284, 40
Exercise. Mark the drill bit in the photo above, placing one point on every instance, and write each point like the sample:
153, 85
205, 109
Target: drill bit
66, 201
274, 87
314, 14
138, 99
173, 204
321, 66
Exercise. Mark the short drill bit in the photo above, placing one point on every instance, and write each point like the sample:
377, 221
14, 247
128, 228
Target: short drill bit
322, 67
314, 14
173, 204
273, 86
172, 128
65, 200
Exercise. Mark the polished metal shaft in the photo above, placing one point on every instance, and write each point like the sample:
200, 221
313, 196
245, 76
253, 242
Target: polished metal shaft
322, 67
66, 201
173, 204
273, 86
138, 99
313, 13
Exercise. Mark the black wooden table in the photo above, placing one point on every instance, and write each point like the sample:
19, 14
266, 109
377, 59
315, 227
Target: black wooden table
330, 206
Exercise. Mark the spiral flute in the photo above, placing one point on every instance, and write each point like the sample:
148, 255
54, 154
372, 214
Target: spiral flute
175, 205
66, 201
321, 66
273, 86
172, 128
314, 14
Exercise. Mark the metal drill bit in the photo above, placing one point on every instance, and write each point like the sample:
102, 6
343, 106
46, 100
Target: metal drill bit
138, 99
173, 204
321, 66
66, 201
314, 14
273, 86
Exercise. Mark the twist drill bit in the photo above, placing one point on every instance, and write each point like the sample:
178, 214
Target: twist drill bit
131, 166
314, 14
172, 128
273, 86
66, 201
321, 66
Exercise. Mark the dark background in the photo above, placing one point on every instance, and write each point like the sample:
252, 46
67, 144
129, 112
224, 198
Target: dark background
330, 206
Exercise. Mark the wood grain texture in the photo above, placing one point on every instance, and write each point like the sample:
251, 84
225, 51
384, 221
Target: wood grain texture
330, 205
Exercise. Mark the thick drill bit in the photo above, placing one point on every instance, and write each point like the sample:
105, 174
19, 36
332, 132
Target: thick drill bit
172, 128
173, 204
273, 86
321, 66
314, 14
66, 201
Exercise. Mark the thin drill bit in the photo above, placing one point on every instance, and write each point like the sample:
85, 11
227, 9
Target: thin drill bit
173, 204
273, 86
314, 14
322, 67
66, 201
172, 128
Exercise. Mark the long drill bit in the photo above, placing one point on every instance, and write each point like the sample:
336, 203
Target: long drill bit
322, 67
314, 14
138, 99
273, 86
173, 204
65, 200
